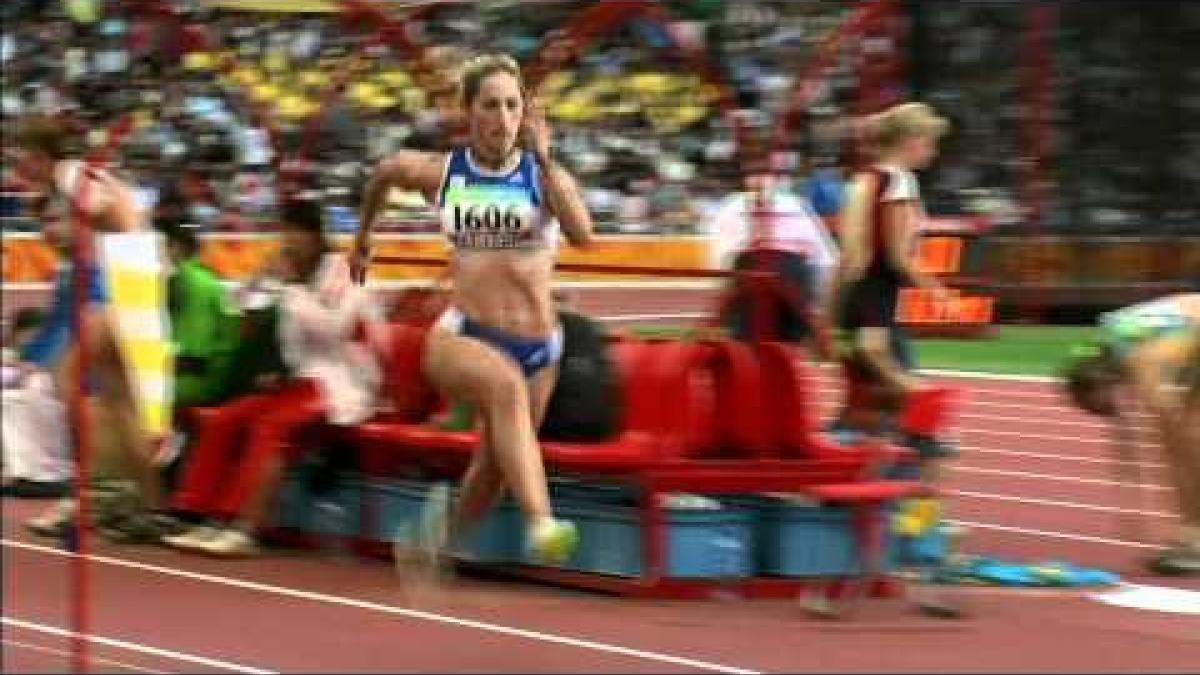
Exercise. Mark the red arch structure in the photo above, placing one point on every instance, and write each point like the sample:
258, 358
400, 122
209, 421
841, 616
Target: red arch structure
864, 18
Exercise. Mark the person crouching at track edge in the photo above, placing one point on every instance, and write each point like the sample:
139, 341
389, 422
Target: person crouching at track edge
1151, 352
502, 201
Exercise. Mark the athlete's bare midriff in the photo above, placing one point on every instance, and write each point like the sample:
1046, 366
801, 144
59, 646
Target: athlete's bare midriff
507, 290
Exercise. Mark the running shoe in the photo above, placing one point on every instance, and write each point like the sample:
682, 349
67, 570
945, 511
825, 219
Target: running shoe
139, 527
229, 543
55, 521
1180, 561
553, 543
192, 539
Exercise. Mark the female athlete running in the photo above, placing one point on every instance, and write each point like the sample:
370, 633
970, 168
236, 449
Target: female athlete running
498, 344
1152, 351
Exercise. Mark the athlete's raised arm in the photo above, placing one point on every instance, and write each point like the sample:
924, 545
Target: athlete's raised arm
562, 192
409, 169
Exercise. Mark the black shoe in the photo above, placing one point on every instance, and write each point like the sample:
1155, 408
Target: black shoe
1177, 562
141, 527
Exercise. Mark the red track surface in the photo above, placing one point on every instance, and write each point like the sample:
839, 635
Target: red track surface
1033, 483
273, 629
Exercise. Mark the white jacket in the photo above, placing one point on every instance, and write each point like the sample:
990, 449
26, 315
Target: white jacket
318, 324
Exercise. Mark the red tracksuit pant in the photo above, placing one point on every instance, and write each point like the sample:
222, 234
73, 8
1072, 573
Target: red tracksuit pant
239, 444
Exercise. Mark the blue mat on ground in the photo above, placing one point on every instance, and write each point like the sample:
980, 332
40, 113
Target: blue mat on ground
931, 553
981, 570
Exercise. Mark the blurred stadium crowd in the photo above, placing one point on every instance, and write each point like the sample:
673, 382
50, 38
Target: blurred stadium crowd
640, 129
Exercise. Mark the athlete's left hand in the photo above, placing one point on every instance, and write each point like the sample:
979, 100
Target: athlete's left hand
535, 131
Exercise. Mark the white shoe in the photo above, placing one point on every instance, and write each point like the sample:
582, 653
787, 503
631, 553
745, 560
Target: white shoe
54, 521
230, 543
192, 539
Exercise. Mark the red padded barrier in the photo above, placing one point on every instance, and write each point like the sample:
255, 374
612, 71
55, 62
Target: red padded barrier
407, 393
740, 410
929, 411
866, 491
791, 413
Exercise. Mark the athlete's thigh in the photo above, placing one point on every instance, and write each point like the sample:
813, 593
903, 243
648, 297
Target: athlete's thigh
541, 388
464, 368
109, 361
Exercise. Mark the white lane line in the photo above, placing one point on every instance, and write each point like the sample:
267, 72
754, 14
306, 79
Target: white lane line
975, 399
1040, 420
995, 377
1051, 534
1046, 437
65, 654
1047, 455
1042, 476
1061, 504
311, 596
137, 647
1040, 412
1028, 392
1100, 438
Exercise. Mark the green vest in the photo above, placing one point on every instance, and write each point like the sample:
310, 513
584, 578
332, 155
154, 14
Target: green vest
204, 327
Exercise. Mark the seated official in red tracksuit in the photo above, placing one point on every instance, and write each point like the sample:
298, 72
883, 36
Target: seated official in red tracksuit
240, 452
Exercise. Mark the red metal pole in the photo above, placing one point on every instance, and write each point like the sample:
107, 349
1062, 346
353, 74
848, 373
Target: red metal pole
79, 538
79, 541
865, 15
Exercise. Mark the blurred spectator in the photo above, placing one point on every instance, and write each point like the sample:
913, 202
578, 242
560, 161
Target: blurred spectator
35, 443
1125, 152
240, 455
204, 323
768, 217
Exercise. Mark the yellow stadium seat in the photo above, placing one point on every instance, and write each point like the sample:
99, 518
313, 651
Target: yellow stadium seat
198, 61
651, 83
380, 102
275, 62
247, 77
556, 82
289, 107
362, 91
313, 78
398, 79
413, 99
265, 92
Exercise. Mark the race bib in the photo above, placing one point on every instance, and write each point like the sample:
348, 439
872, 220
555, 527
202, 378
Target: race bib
489, 217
